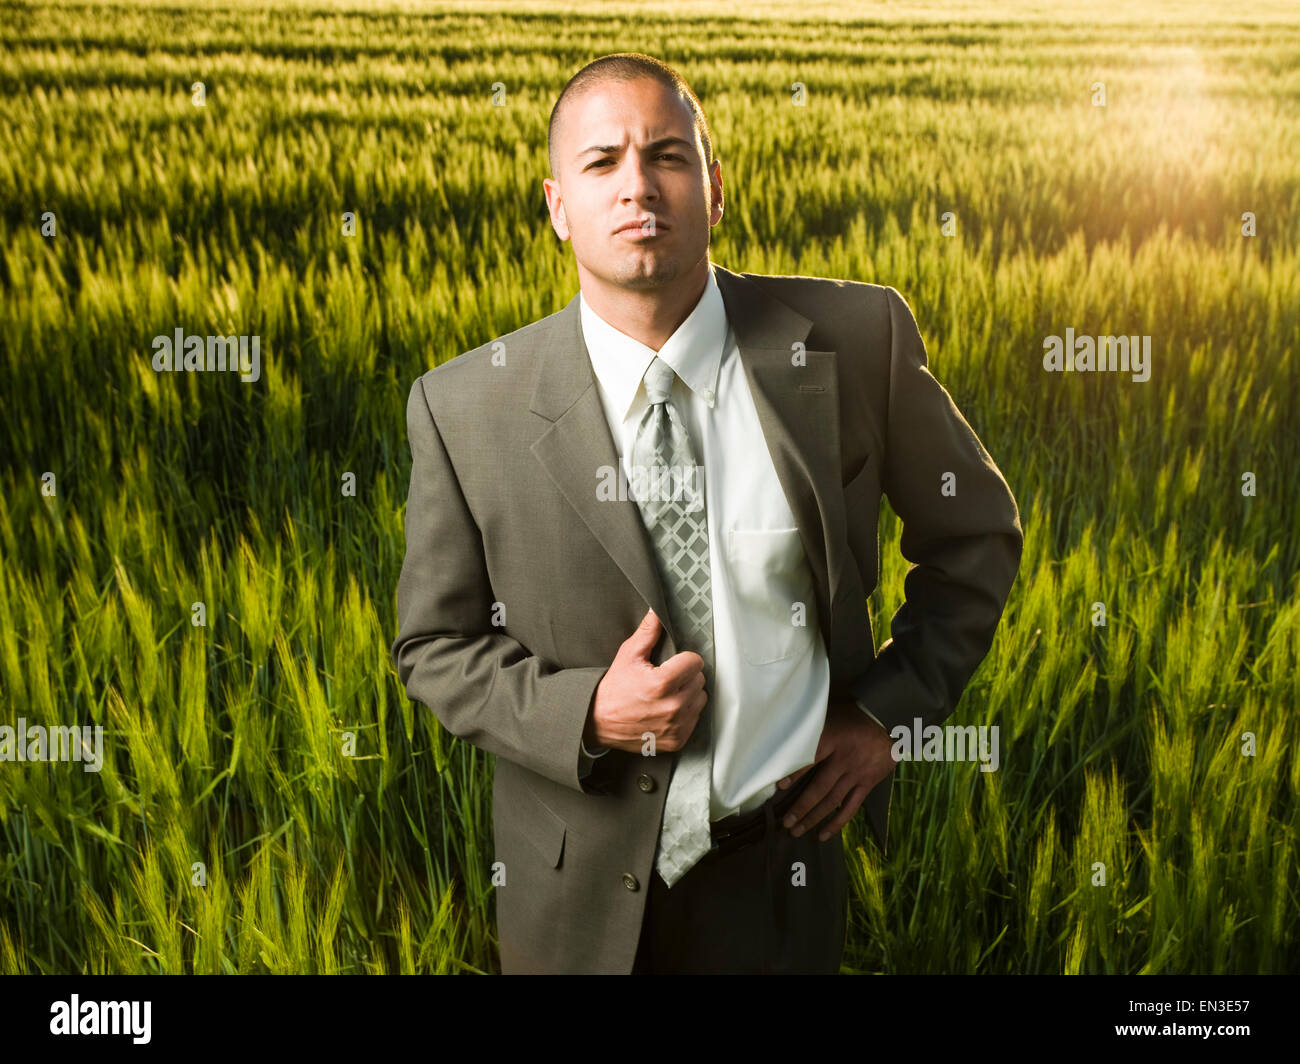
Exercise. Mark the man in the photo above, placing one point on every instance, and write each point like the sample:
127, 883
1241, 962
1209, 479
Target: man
640, 537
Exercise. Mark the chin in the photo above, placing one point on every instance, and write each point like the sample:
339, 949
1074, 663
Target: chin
660, 274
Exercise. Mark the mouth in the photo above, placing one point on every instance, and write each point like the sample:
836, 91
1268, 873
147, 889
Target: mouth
639, 228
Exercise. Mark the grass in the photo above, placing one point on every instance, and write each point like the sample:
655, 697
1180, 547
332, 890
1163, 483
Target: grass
271, 802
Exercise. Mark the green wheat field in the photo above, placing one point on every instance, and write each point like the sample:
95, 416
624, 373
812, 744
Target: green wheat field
270, 800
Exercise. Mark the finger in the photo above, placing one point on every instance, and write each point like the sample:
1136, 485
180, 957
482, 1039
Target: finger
693, 687
680, 670
818, 789
851, 804
697, 704
796, 774
829, 802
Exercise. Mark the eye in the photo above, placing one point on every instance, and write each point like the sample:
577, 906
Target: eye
662, 155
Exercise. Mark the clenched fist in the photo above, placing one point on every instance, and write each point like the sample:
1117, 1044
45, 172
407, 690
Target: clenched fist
636, 696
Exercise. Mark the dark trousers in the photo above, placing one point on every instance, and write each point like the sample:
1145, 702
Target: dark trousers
751, 908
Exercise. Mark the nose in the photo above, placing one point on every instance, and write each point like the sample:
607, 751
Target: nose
637, 181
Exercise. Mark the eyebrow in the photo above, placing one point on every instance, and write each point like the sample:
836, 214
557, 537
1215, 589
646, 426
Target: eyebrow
655, 145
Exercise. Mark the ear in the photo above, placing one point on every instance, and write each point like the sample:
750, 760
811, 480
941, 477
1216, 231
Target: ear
558, 222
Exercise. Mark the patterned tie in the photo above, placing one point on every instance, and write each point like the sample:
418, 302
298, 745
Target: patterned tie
671, 500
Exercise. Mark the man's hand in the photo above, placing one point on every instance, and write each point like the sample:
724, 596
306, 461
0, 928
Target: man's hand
854, 754
635, 696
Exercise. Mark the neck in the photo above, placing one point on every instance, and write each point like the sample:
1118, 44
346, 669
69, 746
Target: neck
650, 317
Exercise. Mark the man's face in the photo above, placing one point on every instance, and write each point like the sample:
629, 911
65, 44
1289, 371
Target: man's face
628, 154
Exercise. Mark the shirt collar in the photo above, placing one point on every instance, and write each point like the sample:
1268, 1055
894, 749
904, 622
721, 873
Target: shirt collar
694, 351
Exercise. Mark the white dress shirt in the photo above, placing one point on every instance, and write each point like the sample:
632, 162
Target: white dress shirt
771, 674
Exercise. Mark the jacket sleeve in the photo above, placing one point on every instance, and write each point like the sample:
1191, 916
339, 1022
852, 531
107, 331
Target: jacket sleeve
483, 686
964, 547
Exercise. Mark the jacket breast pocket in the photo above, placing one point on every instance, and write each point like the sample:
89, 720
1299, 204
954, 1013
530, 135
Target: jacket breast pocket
774, 593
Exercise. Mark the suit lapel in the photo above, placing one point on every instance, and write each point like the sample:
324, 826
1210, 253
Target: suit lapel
797, 406
578, 444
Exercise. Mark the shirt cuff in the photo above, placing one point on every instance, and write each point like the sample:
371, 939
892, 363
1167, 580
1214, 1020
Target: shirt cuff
871, 715
587, 758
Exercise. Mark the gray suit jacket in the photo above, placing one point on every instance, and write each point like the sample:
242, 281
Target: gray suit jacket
506, 441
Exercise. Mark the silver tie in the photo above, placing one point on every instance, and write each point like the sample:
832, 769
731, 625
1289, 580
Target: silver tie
671, 501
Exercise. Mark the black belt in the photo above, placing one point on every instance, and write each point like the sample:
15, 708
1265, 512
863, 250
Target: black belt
741, 829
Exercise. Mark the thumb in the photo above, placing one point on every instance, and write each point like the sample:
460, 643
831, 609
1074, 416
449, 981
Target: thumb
642, 641
789, 781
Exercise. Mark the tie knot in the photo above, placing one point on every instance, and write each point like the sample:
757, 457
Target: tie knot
659, 381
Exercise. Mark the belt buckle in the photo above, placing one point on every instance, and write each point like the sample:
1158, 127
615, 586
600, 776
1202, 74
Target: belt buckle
759, 827
729, 844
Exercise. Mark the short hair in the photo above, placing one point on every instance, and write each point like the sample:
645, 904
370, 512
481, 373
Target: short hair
624, 67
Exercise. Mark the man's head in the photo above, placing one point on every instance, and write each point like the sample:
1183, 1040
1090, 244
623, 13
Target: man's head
629, 144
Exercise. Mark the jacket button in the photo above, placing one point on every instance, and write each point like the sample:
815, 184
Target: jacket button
645, 782
630, 881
